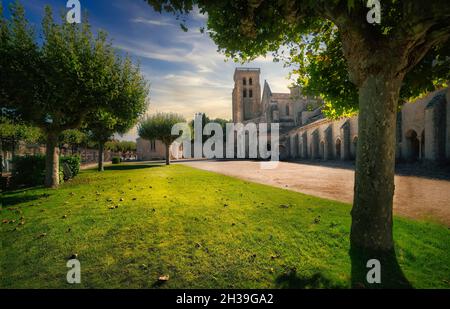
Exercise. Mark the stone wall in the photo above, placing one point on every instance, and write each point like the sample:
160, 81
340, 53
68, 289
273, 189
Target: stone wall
423, 133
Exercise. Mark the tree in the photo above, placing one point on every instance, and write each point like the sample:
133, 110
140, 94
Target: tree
378, 59
159, 126
73, 138
12, 131
55, 84
122, 147
130, 103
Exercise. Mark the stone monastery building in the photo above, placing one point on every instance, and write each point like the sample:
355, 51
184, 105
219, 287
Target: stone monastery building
423, 127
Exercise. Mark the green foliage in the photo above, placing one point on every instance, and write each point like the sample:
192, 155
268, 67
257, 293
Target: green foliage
73, 162
70, 74
72, 137
129, 104
120, 146
159, 126
28, 170
115, 160
206, 120
12, 132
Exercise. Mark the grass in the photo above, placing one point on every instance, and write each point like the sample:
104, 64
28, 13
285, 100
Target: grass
202, 229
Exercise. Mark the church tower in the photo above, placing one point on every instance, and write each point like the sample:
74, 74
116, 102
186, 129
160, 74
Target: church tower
246, 94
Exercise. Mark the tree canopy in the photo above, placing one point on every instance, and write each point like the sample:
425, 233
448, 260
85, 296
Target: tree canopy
72, 74
159, 127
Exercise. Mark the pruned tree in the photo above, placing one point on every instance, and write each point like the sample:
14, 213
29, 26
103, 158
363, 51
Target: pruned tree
380, 61
73, 138
159, 127
54, 85
130, 104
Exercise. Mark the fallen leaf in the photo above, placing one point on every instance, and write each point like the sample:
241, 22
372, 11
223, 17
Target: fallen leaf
73, 256
163, 278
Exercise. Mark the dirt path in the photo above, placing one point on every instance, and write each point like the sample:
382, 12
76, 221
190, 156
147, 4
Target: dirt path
415, 197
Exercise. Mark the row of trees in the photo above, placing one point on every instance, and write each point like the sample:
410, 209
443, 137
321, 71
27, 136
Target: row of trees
159, 127
69, 79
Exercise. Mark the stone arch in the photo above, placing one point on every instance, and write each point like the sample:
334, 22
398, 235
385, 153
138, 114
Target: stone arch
315, 145
322, 150
355, 146
338, 146
345, 141
305, 145
422, 145
435, 127
328, 149
283, 152
412, 145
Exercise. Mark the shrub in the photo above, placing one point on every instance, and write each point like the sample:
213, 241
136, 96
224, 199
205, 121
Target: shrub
28, 170
73, 162
115, 160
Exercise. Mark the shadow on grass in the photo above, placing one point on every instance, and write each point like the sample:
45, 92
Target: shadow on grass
292, 280
124, 167
392, 275
12, 200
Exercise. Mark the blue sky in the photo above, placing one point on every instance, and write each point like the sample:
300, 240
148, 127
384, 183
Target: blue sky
185, 71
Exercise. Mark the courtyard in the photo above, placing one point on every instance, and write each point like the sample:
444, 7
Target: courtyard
139, 221
419, 193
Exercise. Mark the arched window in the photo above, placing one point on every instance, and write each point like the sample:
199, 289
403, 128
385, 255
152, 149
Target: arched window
244, 81
245, 93
250, 93
250, 81
287, 110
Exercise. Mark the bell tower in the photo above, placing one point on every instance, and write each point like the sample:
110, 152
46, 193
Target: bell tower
246, 94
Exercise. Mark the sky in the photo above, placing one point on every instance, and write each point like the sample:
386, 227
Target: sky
185, 71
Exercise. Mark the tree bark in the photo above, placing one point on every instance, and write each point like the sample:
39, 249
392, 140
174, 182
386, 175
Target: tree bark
375, 164
101, 148
52, 160
167, 153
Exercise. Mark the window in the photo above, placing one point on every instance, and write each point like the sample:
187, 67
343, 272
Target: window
250, 81
152, 145
287, 110
250, 93
244, 81
245, 93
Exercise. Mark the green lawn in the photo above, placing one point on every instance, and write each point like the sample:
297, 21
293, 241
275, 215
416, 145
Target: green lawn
203, 229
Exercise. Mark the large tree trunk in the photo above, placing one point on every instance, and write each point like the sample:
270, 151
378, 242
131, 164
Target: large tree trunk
101, 148
52, 161
371, 232
167, 153
375, 163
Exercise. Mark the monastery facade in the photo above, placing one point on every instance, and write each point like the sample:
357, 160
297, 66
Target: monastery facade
423, 127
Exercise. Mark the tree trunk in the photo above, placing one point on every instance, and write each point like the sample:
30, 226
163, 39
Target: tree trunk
167, 153
375, 164
52, 160
371, 231
101, 148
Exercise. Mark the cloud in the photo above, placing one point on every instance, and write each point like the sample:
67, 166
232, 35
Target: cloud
152, 22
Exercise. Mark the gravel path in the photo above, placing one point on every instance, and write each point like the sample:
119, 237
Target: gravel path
415, 197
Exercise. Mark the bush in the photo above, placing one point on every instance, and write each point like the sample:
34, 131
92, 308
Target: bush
28, 170
115, 160
73, 162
